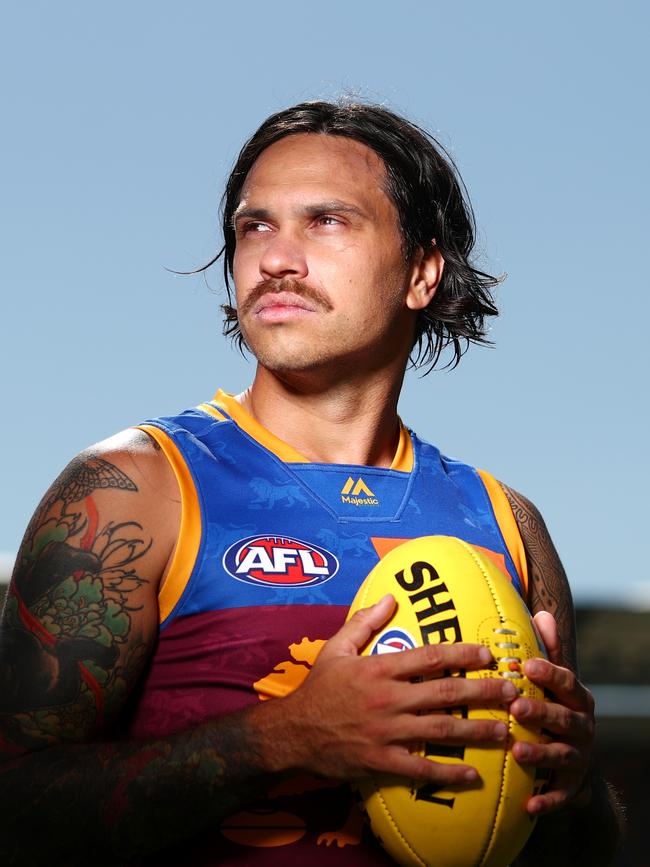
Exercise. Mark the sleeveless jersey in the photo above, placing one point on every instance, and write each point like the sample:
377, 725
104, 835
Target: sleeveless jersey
271, 551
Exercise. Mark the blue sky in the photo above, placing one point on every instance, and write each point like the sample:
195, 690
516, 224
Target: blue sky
121, 122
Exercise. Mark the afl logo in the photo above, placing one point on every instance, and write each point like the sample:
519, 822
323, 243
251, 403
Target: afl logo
392, 641
278, 561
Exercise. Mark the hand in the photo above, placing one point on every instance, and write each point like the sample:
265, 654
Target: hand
356, 714
568, 715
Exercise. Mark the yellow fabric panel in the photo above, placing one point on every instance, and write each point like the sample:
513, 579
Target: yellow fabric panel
189, 536
508, 524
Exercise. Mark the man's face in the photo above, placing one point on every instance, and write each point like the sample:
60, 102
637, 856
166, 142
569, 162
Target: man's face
319, 270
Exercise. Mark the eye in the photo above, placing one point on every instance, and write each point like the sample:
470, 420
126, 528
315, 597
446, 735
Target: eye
255, 227
328, 220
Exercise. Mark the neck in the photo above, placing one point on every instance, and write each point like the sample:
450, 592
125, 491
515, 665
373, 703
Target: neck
344, 423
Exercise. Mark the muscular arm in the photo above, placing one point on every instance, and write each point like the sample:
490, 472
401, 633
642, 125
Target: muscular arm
78, 627
588, 828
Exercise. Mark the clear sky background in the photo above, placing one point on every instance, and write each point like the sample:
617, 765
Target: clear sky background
120, 123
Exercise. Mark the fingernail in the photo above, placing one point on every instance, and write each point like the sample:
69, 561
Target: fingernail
523, 709
500, 731
382, 600
533, 667
485, 655
508, 690
524, 751
471, 775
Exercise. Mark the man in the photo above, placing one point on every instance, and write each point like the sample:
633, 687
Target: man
177, 576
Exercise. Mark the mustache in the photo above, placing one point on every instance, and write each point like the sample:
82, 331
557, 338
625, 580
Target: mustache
287, 284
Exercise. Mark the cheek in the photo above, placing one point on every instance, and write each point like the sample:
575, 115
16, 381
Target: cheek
246, 260
239, 265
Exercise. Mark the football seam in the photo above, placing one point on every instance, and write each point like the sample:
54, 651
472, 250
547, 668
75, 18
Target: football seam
395, 827
506, 752
499, 802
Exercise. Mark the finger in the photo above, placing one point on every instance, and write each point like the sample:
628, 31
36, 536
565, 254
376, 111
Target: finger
561, 682
548, 802
434, 659
553, 755
352, 636
447, 729
557, 718
547, 628
454, 692
398, 760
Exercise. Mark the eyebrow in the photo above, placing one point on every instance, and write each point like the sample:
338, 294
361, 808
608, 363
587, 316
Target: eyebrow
313, 210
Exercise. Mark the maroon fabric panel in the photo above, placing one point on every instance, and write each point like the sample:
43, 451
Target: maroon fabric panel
207, 665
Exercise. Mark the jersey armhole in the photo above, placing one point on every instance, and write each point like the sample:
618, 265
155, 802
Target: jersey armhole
189, 535
508, 526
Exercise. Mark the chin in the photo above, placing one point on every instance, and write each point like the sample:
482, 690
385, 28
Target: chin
282, 354
287, 363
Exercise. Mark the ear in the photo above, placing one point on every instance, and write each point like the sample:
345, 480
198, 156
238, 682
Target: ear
426, 274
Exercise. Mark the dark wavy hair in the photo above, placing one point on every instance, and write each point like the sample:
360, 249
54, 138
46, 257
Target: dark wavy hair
431, 201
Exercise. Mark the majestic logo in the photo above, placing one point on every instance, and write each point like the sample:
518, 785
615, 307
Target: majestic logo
392, 641
279, 561
358, 493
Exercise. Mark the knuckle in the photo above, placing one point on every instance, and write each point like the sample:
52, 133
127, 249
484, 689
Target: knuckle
359, 616
566, 719
447, 690
374, 760
566, 757
432, 654
492, 687
442, 725
379, 665
570, 680
430, 770
378, 700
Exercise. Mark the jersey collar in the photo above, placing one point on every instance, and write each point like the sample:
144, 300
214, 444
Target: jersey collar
402, 460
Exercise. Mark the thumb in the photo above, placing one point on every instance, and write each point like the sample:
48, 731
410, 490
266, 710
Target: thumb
547, 628
354, 634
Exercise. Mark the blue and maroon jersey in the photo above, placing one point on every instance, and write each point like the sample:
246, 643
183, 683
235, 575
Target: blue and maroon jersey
271, 552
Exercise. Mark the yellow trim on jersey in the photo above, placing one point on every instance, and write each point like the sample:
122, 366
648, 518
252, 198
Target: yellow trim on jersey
259, 433
402, 461
212, 410
189, 535
508, 525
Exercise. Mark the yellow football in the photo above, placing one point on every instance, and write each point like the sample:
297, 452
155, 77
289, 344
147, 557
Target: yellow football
448, 591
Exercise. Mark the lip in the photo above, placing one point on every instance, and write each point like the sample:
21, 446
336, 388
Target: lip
282, 305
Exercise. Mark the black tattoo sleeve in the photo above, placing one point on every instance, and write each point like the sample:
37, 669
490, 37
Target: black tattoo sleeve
549, 586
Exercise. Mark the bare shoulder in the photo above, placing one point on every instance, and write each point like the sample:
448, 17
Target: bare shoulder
124, 478
81, 614
135, 451
549, 585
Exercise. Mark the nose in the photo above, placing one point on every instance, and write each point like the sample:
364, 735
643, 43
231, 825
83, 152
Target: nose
283, 256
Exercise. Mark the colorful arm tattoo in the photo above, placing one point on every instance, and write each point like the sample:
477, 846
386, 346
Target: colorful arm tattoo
68, 652
73, 641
